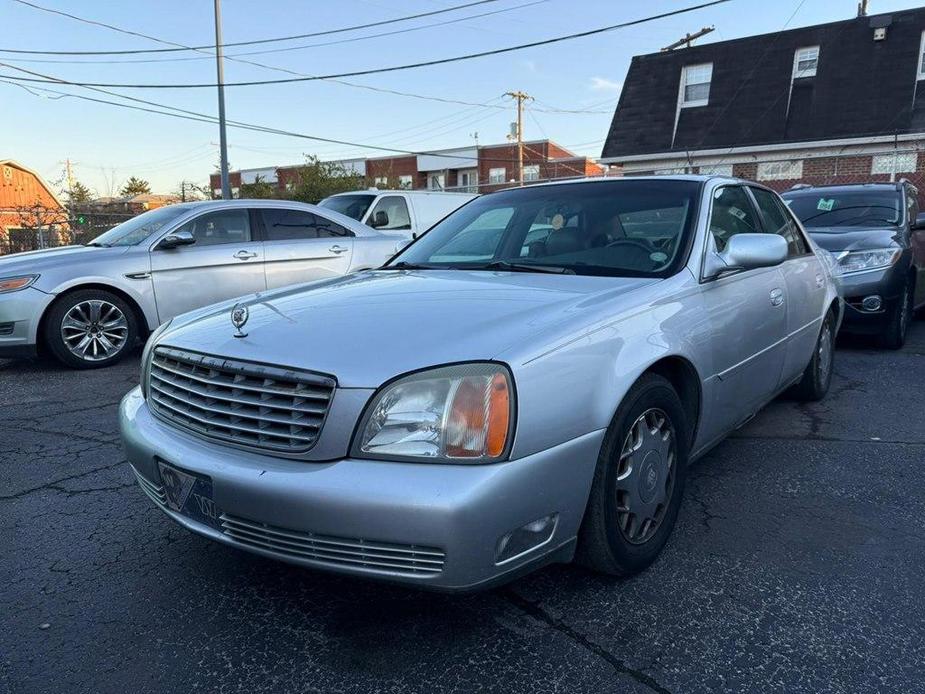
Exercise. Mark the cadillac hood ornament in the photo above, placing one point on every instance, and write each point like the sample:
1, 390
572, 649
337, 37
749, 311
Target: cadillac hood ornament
239, 316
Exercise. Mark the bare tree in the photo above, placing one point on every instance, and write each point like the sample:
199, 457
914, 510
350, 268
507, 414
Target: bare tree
45, 222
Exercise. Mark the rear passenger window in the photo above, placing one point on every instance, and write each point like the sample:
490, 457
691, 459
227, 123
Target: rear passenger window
778, 221
732, 214
229, 226
297, 225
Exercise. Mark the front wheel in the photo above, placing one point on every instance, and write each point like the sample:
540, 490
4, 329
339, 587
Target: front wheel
818, 373
639, 481
898, 325
90, 329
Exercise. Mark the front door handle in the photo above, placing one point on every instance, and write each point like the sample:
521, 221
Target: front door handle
338, 249
777, 297
245, 255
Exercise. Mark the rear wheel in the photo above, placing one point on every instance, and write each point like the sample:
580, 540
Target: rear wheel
898, 325
90, 329
818, 373
639, 481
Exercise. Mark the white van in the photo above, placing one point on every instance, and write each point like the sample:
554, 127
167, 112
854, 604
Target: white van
410, 212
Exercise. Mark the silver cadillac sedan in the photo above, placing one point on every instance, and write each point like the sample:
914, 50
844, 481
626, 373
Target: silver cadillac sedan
90, 304
526, 383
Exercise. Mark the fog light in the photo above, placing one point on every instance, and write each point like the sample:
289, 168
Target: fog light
525, 538
872, 303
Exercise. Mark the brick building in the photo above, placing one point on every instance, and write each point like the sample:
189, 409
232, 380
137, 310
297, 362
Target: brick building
833, 103
471, 169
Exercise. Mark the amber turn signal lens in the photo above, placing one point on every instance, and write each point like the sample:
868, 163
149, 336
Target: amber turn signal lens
10, 284
479, 417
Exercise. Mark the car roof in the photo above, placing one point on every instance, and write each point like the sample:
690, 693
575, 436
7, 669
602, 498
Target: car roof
848, 187
393, 191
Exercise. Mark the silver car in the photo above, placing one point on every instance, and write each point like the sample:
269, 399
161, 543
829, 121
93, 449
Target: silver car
526, 383
90, 304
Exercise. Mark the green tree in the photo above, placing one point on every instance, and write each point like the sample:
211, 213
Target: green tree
79, 194
258, 189
319, 179
135, 186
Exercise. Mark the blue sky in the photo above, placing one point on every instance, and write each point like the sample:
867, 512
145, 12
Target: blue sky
110, 144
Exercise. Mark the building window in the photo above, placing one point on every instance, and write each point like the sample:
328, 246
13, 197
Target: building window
405, 182
468, 181
805, 62
717, 170
436, 181
897, 162
695, 84
497, 175
532, 172
382, 181
780, 170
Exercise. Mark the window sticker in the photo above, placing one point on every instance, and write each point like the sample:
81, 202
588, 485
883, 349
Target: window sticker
825, 205
737, 213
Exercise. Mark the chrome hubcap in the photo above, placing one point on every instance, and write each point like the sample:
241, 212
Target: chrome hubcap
825, 351
645, 476
94, 330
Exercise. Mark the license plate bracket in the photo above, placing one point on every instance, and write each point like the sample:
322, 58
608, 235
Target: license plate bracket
189, 494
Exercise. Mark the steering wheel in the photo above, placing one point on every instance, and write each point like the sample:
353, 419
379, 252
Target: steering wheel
636, 243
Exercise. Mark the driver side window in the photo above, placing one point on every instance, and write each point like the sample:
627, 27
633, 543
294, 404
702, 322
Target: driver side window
228, 226
732, 214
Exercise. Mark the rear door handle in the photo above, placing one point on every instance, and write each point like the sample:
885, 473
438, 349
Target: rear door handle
245, 255
338, 249
777, 297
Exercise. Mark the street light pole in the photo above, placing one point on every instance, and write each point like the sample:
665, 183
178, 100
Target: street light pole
223, 143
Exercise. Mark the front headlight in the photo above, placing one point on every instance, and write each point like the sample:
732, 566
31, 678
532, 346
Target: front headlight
146, 355
860, 261
459, 414
14, 284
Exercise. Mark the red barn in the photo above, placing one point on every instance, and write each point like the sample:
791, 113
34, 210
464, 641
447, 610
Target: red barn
31, 215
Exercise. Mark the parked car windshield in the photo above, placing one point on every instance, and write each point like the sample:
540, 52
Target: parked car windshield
822, 208
616, 228
354, 206
137, 229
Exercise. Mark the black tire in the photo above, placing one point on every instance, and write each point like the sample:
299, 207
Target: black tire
112, 310
817, 376
603, 544
898, 324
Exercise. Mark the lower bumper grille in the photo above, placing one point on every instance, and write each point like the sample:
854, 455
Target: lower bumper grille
155, 492
411, 560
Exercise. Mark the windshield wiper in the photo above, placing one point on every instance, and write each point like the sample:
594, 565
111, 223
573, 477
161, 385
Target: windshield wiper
507, 266
412, 266
97, 244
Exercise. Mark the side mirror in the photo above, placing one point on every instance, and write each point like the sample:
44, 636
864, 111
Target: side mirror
380, 219
919, 222
747, 252
176, 239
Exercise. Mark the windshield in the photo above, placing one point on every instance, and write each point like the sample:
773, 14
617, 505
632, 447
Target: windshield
354, 206
846, 209
615, 228
137, 229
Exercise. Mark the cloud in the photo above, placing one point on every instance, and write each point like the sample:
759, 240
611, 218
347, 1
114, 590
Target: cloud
602, 84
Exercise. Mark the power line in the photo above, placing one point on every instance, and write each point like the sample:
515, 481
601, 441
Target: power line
179, 47
394, 68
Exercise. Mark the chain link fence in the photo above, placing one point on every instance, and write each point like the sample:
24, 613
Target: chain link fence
77, 230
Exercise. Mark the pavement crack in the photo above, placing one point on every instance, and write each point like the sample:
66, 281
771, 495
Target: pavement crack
533, 609
55, 485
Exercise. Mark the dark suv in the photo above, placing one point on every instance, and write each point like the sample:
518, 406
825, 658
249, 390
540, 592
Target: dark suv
878, 240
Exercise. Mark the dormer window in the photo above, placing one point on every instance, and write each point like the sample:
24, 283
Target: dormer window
695, 85
805, 61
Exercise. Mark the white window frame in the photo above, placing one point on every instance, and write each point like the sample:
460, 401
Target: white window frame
799, 56
920, 68
438, 177
894, 163
531, 172
686, 72
783, 170
382, 181
405, 182
497, 175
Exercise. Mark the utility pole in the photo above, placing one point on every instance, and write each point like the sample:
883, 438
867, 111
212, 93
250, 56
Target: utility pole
223, 142
862, 8
519, 134
69, 176
689, 39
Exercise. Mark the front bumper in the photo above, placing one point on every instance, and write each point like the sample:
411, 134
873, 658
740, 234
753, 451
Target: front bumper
459, 511
888, 284
20, 313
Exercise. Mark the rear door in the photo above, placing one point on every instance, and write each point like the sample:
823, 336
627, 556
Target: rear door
805, 280
748, 315
224, 262
302, 246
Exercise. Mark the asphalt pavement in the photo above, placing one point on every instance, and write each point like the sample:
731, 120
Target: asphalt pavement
796, 566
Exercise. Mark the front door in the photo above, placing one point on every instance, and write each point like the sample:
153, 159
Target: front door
748, 317
224, 262
301, 247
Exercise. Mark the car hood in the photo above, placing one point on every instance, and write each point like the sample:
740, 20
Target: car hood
836, 239
50, 258
369, 327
